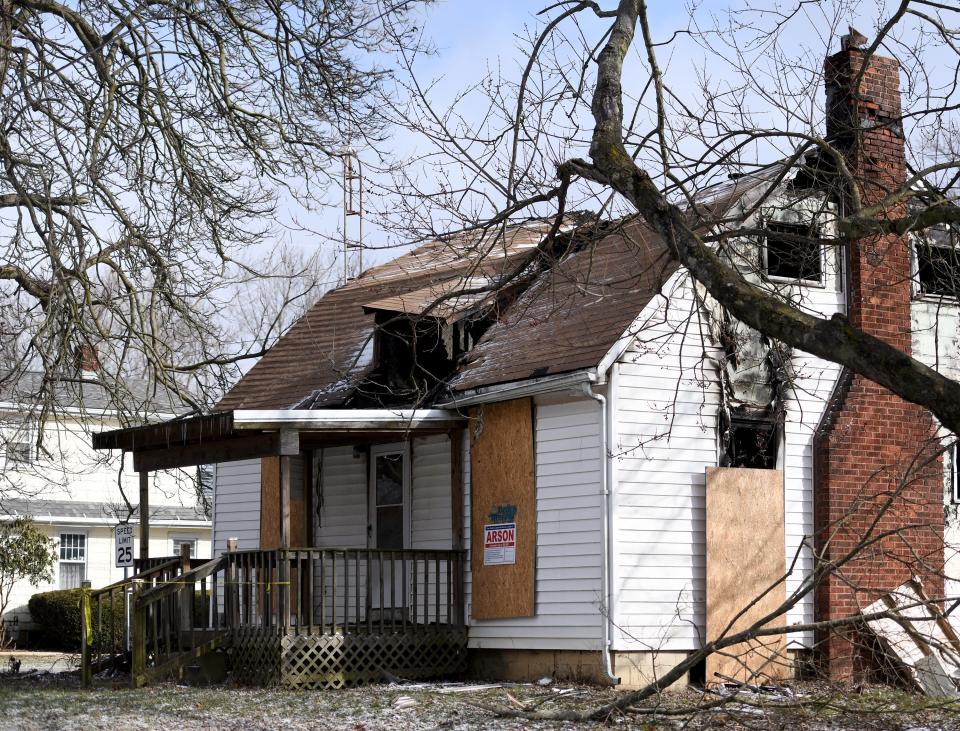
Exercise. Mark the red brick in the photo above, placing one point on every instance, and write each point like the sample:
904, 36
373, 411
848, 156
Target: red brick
866, 451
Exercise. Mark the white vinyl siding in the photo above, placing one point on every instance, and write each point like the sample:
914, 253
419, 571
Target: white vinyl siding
666, 404
568, 554
236, 505
343, 499
936, 342
431, 513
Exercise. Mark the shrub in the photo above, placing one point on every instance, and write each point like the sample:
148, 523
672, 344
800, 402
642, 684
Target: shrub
57, 616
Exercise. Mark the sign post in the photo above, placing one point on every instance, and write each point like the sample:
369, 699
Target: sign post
123, 545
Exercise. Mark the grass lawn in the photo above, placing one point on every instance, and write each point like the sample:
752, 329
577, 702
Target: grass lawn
54, 701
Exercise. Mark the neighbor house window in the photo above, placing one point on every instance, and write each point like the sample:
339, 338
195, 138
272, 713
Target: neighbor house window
73, 560
16, 444
938, 264
179, 543
793, 251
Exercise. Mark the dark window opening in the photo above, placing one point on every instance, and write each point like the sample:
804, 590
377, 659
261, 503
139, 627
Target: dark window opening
955, 475
752, 444
793, 251
938, 265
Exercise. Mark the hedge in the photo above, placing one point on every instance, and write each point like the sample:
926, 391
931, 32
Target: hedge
57, 617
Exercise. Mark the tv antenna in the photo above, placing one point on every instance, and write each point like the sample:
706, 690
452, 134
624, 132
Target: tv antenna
352, 207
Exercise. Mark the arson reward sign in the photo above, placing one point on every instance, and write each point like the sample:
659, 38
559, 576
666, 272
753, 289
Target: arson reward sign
499, 544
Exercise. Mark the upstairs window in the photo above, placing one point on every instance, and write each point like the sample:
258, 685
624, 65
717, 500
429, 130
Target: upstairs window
938, 264
16, 444
793, 252
753, 443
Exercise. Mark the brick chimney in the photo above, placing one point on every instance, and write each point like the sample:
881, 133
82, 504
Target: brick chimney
867, 444
86, 359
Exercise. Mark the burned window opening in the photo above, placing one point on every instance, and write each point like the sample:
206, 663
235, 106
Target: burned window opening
938, 264
794, 252
752, 443
954, 475
414, 357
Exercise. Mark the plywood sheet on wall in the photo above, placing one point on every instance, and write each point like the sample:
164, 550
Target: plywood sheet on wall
502, 482
745, 558
298, 493
269, 503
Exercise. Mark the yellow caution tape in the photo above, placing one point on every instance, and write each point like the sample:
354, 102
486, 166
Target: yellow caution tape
87, 615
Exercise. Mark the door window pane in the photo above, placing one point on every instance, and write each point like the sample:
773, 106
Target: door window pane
390, 527
389, 477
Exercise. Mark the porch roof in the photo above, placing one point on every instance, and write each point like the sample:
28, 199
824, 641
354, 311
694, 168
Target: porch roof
249, 433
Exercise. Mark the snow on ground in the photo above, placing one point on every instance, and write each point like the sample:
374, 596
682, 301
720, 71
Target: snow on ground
41, 700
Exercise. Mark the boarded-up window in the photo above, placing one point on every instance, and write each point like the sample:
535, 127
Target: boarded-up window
503, 498
746, 562
269, 503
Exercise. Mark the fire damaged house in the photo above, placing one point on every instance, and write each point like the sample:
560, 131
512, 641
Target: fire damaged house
541, 448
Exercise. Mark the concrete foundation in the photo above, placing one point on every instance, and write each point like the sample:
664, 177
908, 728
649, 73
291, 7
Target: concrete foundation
635, 669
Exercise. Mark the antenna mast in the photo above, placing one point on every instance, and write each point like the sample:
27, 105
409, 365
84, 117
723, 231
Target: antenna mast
352, 206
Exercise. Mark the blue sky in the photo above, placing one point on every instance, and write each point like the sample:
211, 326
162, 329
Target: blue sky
470, 35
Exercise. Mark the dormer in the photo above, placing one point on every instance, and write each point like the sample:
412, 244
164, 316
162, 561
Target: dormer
420, 336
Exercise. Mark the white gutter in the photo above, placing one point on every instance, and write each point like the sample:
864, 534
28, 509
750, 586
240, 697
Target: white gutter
343, 419
19, 408
520, 389
105, 521
606, 457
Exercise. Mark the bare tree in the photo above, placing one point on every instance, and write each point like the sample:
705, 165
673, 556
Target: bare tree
147, 150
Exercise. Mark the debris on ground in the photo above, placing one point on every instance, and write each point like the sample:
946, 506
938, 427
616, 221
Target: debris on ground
447, 688
918, 639
57, 701
403, 702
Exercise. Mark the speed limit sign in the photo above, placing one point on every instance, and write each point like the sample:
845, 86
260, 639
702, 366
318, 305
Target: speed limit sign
123, 545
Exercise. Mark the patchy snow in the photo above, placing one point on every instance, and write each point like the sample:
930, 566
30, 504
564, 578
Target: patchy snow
54, 701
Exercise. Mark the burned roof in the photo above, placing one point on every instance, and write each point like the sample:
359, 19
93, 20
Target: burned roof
327, 353
564, 316
575, 312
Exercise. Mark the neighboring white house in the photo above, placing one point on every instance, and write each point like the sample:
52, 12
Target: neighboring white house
74, 493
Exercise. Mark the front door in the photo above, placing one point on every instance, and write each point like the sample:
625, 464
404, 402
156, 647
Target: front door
389, 528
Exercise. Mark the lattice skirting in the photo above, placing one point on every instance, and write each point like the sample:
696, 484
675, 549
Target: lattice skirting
338, 661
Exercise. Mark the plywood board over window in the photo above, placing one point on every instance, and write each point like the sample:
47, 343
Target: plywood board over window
746, 561
269, 503
503, 491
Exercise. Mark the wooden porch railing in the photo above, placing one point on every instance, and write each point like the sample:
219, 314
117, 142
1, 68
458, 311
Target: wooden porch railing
347, 590
179, 613
105, 639
177, 621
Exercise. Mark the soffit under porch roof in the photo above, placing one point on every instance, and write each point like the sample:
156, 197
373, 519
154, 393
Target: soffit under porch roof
248, 434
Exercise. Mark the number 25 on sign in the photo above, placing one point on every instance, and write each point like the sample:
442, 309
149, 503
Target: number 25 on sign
124, 545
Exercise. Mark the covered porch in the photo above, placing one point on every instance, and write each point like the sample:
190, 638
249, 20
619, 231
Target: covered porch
333, 591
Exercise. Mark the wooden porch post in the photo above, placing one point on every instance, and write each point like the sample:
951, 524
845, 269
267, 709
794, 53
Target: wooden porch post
144, 515
456, 487
456, 517
284, 577
285, 475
